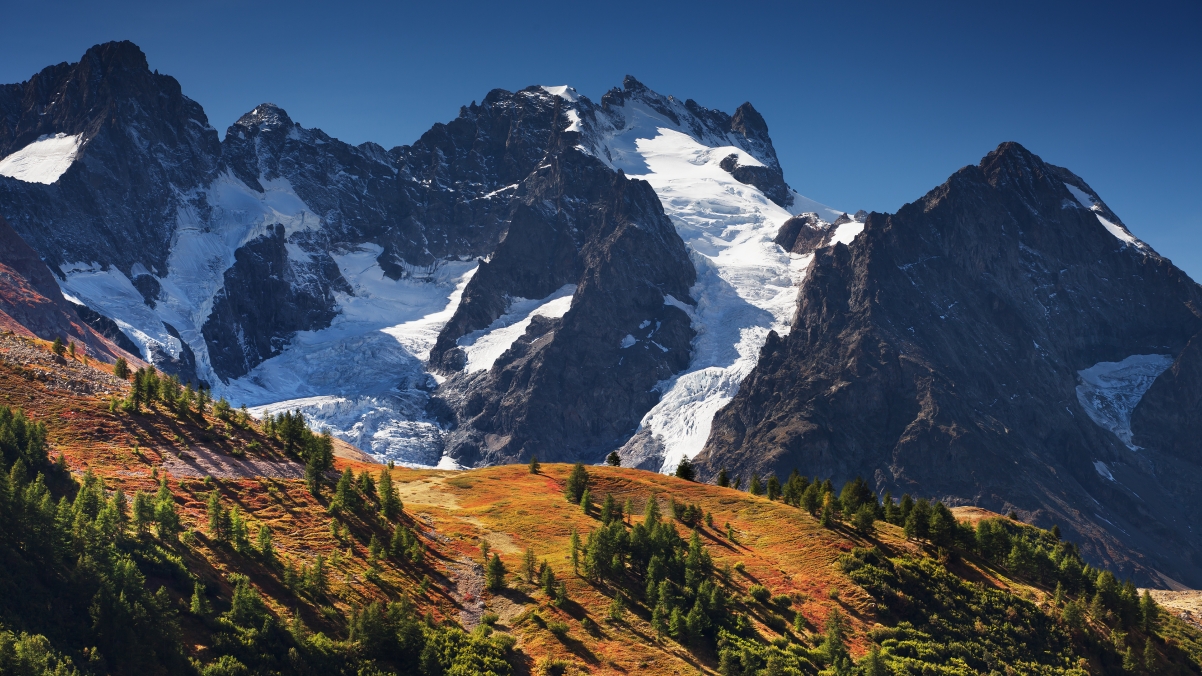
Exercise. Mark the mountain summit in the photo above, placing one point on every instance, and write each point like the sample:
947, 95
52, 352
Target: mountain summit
989, 344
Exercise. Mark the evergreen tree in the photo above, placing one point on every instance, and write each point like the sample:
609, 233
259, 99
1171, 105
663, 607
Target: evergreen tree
872, 664
239, 535
723, 479
121, 368
685, 470
586, 501
219, 520
918, 523
1071, 616
167, 523
756, 488
58, 348
143, 512
609, 510
827, 519
495, 574
811, 498
576, 484
200, 603
265, 546
737, 482
534, 466
627, 510
390, 504
942, 529
1150, 656
1148, 612
345, 496
864, 519
528, 564
773, 487
613, 459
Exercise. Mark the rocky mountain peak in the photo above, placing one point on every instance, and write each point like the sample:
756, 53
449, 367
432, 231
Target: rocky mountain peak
265, 117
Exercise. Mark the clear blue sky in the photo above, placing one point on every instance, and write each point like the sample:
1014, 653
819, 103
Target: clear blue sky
870, 105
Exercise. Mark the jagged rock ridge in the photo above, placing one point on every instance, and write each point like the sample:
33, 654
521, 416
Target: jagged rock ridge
980, 346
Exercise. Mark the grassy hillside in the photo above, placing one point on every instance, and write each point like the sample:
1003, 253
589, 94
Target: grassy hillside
167, 540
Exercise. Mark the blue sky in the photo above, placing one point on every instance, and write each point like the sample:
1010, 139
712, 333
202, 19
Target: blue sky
869, 104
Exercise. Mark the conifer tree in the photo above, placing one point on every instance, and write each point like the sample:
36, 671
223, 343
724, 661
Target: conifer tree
200, 603
757, 487
586, 501
265, 546
608, 509
58, 348
390, 504
367, 485
238, 530
685, 470
737, 482
773, 487
723, 479
219, 520
71, 348
864, 519
495, 574
576, 484
574, 548
534, 466
143, 512
1148, 612
627, 510
167, 523
528, 564
121, 368
613, 459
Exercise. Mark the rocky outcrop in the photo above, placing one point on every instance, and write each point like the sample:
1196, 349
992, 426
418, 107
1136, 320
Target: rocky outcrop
268, 296
144, 147
939, 353
576, 387
31, 304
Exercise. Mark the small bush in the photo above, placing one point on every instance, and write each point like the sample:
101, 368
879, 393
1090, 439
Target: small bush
759, 592
560, 629
740, 567
782, 601
553, 666
489, 618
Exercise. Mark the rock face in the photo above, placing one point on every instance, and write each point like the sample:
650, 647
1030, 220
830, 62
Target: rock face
986, 345
31, 304
573, 387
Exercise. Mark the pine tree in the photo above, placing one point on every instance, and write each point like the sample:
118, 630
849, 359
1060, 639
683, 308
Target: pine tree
121, 368
827, 519
143, 512
165, 514
495, 574
58, 348
576, 484
1150, 655
71, 348
872, 665
345, 496
1148, 612
200, 603
864, 519
219, 520
534, 466
528, 564
613, 459
627, 510
685, 470
586, 501
238, 530
265, 546
723, 479
756, 488
367, 485
609, 509
773, 487
390, 504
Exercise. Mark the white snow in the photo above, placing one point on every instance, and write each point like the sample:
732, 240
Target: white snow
1102, 470
847, 232
111, 293
1110, 391
746, 284
1120, 233
574, 118
564, 92
628, 341
484, 347
44, 160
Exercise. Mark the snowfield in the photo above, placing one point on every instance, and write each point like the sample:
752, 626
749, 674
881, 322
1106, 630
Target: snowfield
485, 346
1110, 391
43, 161
746, 284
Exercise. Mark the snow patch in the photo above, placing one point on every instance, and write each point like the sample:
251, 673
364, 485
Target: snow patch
44, 160
1110, 391
746, 284
847, 232
1102, 470
628, 341
564, 92
485, 346
1086, 200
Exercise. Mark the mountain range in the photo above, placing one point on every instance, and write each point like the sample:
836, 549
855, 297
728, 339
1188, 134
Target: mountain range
555, 277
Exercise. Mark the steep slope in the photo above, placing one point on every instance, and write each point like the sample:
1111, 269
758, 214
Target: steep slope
751, 584
288, 270
31, 304
988, 344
